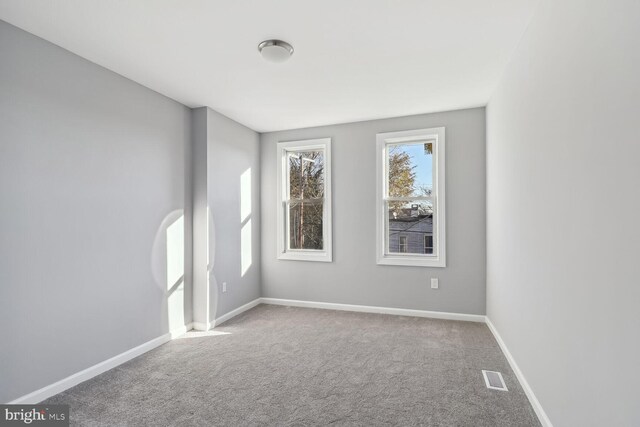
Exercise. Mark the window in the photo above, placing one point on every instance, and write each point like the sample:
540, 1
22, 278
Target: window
411, 202
304, 200
402, 246
428, 244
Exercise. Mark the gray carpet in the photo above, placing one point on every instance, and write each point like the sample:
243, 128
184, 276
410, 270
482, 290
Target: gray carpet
297, 366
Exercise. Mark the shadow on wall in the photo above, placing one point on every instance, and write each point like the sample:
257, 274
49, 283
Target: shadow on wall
167, 265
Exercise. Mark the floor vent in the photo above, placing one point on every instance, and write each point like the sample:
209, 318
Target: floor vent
494, 380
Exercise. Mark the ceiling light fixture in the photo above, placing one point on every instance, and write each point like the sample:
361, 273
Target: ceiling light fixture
275, 50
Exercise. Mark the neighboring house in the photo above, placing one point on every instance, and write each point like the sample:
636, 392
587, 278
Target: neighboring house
411, 232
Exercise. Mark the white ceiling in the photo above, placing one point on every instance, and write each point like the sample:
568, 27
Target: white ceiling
354, 60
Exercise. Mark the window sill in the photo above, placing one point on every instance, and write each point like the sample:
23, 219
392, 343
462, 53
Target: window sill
412, 261
320, 256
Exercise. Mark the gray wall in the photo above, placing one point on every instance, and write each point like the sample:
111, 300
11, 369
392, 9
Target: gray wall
92, 172
232, 150
200, 261
563, 195
353, 277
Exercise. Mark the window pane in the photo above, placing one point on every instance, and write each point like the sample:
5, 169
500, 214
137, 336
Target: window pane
305, 225
306, 174
428, 244
402, 245
410, 169
408, 224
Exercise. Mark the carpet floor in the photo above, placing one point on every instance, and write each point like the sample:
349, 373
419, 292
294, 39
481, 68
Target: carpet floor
287, 366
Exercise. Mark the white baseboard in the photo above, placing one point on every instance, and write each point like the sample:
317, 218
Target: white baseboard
373, 309
537, 407
234, 313
542, 416
86, 374
199, 326
181, 330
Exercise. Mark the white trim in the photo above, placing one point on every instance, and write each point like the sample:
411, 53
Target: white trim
199, 326
234, 313
537, 407
325, 255
438, 258
86, 374
373, 309
95, 370
181, 330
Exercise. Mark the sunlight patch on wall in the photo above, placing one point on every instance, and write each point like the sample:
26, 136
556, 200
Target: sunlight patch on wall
245, 221
207, 231
175, 307
175, 252
245, 247
175, 273
245, 195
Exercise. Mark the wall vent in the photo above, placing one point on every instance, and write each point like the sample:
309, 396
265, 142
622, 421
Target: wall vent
493, 380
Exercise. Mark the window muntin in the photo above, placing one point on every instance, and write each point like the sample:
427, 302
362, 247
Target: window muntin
304, 204
410, 196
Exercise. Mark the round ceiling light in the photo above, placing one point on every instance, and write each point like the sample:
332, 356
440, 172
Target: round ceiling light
275, 50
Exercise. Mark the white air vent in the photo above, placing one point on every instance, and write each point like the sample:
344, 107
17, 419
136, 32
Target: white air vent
493, 380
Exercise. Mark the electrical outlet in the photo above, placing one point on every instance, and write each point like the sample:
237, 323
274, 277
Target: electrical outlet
224, 286
434, 283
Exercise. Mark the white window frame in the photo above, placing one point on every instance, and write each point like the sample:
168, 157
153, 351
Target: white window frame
284, 253
384, 256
